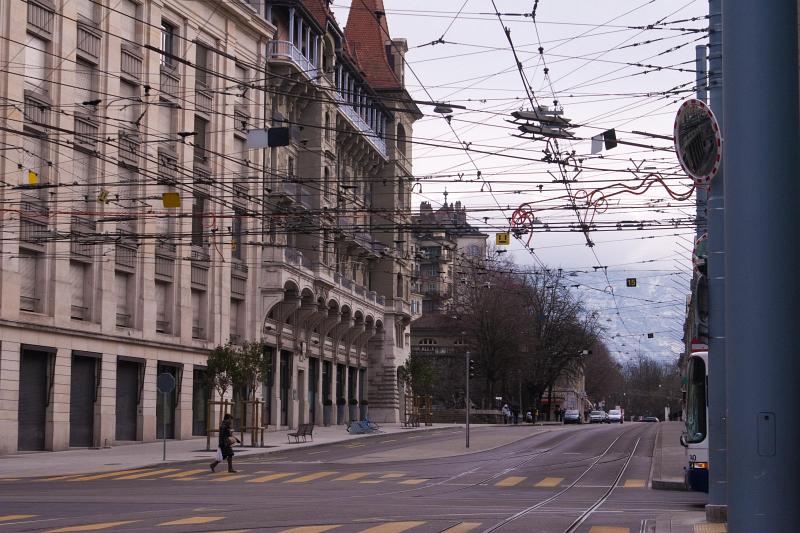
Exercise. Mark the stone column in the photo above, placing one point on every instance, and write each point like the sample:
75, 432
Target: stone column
9, 394
346, 392
146, 424
57, 428
183, 411
105, 407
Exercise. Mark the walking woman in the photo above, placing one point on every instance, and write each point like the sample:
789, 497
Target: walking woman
226, 440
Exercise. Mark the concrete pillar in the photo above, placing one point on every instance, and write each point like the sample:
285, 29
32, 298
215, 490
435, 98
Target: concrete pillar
345, 392
355, 393
105, 408
293, 415
9, 393
319, 408
146, 424
57, 428
276, 388
183, 411
291, 25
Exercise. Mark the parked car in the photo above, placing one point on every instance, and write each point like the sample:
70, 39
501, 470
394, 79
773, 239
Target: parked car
651, 419
597, 417
615, 415
572, 416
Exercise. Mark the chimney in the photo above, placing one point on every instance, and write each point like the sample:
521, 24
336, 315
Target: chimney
395, 53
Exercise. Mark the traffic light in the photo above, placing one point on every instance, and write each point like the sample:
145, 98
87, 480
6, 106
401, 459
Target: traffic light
471, 368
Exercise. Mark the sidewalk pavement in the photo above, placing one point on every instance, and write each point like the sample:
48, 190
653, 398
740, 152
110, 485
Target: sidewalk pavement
149, 454
669, 458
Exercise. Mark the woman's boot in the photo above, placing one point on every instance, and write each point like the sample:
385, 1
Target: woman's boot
230, 466
213, 465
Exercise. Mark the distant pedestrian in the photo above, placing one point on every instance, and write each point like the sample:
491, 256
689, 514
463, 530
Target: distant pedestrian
529, 416
226, 440
506, 413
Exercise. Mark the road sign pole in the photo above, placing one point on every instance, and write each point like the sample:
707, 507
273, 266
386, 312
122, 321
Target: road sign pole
762, 253
466, 393
164, 424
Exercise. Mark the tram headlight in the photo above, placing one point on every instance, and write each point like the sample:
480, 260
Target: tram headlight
700, 466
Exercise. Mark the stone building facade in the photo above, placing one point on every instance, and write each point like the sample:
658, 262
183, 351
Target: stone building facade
140, 230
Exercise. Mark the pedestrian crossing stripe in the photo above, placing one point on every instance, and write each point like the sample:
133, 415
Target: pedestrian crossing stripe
352, 477
550, 482
229, 477
14, 517
463, 527
634, 483
92, 527
392, 475
310, 529
106, 475
141, 475
311, 477
609, 529
393, 527
413, 481
192, 521
271, 477
185, 473
371, 481
510, 481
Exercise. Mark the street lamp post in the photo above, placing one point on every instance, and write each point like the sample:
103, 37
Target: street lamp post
466, 392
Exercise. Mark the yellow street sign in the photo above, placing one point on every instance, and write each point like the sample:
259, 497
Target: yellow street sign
33, 177
171, 199
502, 239
630, 282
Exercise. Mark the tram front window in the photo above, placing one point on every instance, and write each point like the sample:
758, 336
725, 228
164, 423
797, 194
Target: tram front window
696, 402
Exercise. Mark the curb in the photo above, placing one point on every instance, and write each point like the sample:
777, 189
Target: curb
656, 481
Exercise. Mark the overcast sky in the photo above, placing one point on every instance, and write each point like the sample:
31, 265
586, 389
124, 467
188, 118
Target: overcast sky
607, 70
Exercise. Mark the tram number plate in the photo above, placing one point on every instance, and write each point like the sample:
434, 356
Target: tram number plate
693, 458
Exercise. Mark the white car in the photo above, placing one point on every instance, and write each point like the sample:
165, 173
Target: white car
615, 415
597, 417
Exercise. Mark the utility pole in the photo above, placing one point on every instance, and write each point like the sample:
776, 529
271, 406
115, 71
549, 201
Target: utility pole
466, 393
762, 253
701, 93
715, 218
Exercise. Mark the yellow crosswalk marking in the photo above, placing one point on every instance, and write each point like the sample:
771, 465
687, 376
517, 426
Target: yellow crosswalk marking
227, 477
372, 481
91, 527
550, 482
12, 517
192, 521
271, 477
9, 479
711, 528
413, 481
310, 529
463, 527
393, 527
147, 474
634, 483
185, 473
60, 478
352, 477
311, 477
109, 474
510, 481
609, 529
392, 475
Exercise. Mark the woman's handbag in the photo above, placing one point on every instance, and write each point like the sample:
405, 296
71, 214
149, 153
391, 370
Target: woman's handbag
218, 456
232, 440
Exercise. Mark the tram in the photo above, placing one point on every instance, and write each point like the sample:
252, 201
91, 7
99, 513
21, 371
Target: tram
695, 437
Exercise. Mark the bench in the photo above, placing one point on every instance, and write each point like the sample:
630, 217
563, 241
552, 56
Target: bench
411, 421
303, 430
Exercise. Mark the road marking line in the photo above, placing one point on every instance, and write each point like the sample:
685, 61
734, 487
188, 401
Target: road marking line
392, 475
710, 528
192, 520
372, 481
609, 529
146, 474
311, 529
317, 453
634, 483
463, 527
311, 477
92, 527
352, 477
415, 437
110, 474
413, 481
510, 481
187, 473
392, 527
550, 482
231, 531
226, 477
9, 479
388, 440
353, 445
11, 517
60, 478
271, 477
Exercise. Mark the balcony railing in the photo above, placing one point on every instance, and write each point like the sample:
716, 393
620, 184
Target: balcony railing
129, 147
238, 286
361, 125
33, 231
40, 18
170, 82
125, 257
199, 275
287, 51
78, 312
89, 42
123, 320
204, 101
432, 349
86, 132
131, 64
165, 267
197, 332
295, 257
28, 303
163, 326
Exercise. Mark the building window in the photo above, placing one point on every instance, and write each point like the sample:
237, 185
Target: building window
163, 314
168, 43
237, 234
401, 139
129, 104
84, 168
30, 264
87, 9
473, 250
290, 167
35, 64
121, 282
128, 11
201, 65
200, 140
198, 299
326, 184
427, 342
236, 310
79, 310
198, 220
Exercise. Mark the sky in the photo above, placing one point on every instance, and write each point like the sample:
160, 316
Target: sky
624, 64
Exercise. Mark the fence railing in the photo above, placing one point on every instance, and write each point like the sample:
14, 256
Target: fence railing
285, 50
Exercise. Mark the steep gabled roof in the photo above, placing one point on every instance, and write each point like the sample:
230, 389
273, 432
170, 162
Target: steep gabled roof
367, 34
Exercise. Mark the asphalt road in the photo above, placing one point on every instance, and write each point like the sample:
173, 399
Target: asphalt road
584, 479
